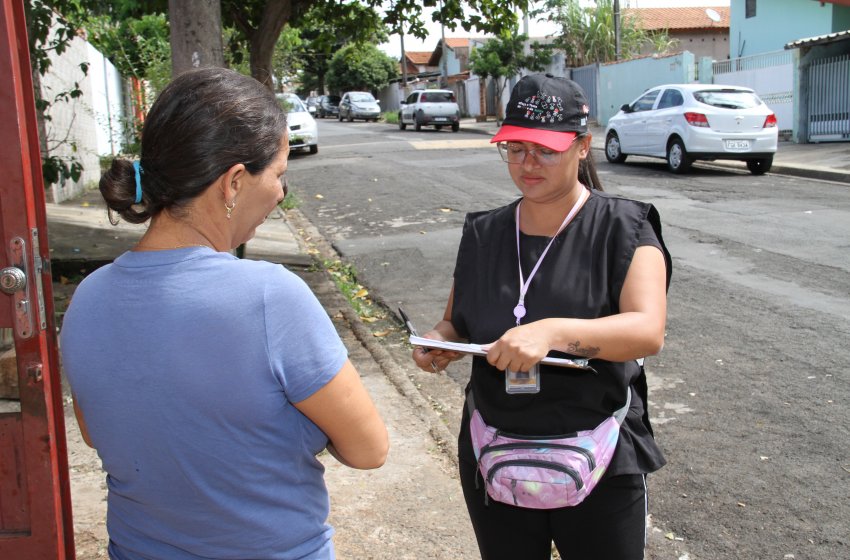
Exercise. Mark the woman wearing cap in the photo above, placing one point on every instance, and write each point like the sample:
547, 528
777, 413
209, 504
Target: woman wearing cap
208, 384
566, 271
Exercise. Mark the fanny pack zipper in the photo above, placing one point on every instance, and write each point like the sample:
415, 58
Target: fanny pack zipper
530, 463
504, 446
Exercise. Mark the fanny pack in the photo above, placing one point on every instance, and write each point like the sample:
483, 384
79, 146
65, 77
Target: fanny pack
543, 472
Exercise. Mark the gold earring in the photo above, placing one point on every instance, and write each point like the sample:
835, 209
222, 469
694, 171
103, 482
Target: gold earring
230, 208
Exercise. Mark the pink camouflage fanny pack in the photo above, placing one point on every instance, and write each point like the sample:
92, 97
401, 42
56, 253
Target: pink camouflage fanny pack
543, 472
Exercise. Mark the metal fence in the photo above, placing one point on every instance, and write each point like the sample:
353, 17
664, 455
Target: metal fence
770, 75
588, 78
829, 99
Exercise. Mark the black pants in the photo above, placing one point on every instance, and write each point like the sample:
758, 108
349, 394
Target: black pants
610, 524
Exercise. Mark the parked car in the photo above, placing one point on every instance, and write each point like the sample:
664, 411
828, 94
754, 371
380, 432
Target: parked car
432, 107
312, 104
687, 122
328, 106
358, 105
302, 127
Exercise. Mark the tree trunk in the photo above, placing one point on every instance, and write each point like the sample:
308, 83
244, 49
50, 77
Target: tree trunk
195, 34
263, 39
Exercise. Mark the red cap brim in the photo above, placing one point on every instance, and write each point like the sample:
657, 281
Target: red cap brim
558, 141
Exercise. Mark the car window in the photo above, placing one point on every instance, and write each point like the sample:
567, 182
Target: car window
291, 103
361, 97
728, 98
412, 97
646, 101
671, 98
438, 97
332, 98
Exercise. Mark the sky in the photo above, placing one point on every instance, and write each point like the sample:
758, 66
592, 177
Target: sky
536, 29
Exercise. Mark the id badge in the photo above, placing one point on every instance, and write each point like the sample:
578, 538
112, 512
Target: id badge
518, 382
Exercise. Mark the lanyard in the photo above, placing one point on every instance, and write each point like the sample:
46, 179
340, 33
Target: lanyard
519, 310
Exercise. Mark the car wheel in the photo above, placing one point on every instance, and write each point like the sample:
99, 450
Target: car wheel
339, 116
401, 125
314, 149
613, 152
455, 127
678, 160
760, 166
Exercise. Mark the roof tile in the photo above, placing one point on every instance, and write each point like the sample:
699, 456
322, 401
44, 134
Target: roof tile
652, 19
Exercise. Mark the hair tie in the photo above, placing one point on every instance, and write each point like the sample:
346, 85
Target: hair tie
138, 168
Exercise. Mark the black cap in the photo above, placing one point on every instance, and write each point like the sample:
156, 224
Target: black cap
547, 103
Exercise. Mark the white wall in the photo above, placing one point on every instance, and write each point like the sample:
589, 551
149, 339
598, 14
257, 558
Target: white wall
80, 127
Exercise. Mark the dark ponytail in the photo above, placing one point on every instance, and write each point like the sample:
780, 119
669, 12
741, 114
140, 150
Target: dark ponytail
203, 123
587, 172
118, 188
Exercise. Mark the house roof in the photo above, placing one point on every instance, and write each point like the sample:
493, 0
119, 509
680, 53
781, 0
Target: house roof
656, 19
418, 57
452, 43
455, 42
819, 40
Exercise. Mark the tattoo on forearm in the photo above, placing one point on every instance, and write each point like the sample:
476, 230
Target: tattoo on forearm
576, 348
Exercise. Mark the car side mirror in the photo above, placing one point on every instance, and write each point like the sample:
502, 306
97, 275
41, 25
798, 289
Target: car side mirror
378, 101
626, 108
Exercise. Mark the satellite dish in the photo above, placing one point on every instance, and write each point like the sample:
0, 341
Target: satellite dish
712, 15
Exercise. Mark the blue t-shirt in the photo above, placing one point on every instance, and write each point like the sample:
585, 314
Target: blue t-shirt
185, 364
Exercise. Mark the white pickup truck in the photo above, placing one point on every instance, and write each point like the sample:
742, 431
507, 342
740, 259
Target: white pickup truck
430, 107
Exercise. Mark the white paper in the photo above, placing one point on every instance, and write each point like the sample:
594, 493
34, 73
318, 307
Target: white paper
477, 350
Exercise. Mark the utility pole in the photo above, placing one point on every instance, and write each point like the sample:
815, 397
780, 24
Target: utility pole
616, 29
403, 65
444, 73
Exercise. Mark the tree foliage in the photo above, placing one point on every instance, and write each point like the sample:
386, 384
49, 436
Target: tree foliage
504, 57
325, 29
360, 66
138, 47
587, 32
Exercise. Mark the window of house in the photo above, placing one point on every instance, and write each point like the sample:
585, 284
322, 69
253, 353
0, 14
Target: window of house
750, 8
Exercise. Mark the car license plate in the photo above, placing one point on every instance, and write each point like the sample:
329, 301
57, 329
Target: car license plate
738, 145
440, 119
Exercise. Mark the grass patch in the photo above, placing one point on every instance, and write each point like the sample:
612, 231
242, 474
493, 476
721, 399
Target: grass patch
390, 117
345, 277
290, 202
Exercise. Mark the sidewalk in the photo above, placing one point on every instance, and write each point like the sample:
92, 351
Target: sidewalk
828, 160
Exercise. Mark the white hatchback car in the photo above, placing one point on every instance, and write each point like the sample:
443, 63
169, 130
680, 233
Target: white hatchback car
686, 122
302, 127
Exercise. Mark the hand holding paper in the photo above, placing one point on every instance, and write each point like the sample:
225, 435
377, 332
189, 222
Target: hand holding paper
479, 350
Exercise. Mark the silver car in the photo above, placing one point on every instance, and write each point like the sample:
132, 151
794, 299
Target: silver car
687, 122
430, 107
358, 105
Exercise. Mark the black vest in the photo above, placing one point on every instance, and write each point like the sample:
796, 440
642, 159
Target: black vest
581, 276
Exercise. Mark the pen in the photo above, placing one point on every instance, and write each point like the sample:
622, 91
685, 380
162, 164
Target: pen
412, 330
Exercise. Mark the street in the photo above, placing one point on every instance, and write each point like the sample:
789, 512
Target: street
748, 397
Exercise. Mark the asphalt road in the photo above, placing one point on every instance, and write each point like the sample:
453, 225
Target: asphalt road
749, 396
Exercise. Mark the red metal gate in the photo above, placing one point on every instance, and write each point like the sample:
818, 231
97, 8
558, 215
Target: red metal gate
35, 502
